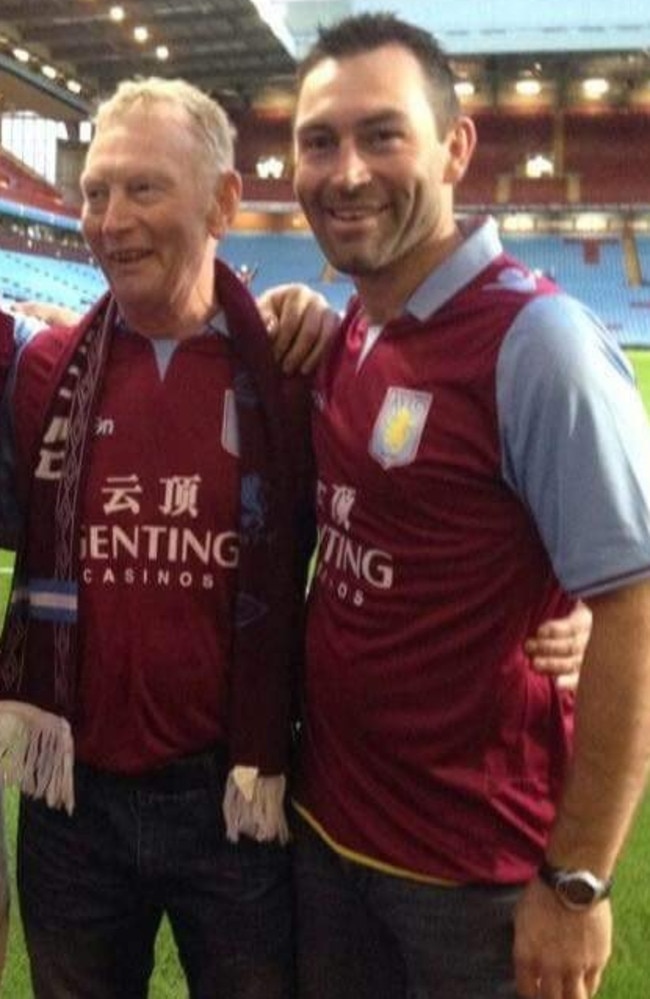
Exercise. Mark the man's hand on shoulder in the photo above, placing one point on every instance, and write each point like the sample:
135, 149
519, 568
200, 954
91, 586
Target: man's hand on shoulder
300, 324
48, 314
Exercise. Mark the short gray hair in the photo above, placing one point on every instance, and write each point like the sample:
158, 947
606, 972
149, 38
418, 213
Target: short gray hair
211, 125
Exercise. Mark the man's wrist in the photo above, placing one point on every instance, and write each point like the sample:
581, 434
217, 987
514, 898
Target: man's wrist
578, 889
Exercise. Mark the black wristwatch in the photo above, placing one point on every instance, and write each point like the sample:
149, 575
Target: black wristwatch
576, 890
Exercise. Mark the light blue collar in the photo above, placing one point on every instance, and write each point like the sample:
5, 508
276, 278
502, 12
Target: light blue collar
164, 347
480, 246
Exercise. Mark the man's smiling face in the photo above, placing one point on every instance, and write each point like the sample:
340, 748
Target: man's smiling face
370, 168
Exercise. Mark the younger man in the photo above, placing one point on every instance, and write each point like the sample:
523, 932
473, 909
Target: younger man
480, 445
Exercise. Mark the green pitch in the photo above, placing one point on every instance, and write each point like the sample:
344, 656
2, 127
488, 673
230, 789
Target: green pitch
641, 361
627, 976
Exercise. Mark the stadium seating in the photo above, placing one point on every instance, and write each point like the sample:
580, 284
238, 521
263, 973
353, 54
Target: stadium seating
594, 170
591, 169
594, 271
610, 153
275, 259
25, 276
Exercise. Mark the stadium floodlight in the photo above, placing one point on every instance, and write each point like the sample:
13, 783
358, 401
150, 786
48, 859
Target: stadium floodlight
595, 87
141, 34
162, 52
464, 88
74, 86
22, 55
116, 13
539, 166
528, 88
270, 167
49, 72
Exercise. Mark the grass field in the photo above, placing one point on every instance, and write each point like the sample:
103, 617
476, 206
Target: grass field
628, 976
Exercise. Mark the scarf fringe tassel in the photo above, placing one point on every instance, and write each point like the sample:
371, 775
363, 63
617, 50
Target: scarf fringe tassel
254, 806
37, 753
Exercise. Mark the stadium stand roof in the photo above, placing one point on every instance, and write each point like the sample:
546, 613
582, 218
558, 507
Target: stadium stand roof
243, 51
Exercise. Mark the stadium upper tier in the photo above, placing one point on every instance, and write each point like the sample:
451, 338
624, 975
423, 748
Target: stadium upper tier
23, 187
611, 275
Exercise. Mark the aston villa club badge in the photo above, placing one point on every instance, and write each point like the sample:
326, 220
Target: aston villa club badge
398, 428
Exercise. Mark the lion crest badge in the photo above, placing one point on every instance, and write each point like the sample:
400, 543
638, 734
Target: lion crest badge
399, 425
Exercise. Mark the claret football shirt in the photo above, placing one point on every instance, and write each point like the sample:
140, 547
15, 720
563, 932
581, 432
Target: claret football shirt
479, 458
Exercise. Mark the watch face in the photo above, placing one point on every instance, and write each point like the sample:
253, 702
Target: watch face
577, 890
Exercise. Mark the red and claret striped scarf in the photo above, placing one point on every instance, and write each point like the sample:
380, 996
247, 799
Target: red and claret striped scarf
38, 662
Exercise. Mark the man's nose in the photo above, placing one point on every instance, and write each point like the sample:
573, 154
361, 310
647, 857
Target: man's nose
351, 167
117, 215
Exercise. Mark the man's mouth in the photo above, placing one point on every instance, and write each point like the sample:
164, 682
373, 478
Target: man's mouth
356, 214
127, 256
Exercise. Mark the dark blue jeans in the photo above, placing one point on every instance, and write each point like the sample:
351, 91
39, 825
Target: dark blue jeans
363, 934
93, 889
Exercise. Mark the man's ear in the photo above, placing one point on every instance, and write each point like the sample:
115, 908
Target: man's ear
226, 198
461, 142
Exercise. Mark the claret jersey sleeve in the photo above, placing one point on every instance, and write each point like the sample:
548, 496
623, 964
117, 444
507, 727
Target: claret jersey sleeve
575, 443
16, 330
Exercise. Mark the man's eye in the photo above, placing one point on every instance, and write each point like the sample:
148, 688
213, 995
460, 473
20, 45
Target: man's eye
316, 143
384, 137
93, 195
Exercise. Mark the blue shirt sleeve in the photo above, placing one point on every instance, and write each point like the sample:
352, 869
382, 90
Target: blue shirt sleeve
575, 444
25, 327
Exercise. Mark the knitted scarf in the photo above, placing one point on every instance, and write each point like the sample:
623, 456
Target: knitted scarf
38, 661
6, 346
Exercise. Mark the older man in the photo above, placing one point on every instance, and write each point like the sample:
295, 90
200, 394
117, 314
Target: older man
145, 662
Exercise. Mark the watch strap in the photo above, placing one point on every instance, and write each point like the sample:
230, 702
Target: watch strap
560, 879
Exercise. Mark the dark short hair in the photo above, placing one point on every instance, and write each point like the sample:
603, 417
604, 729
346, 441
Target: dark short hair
366, 32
